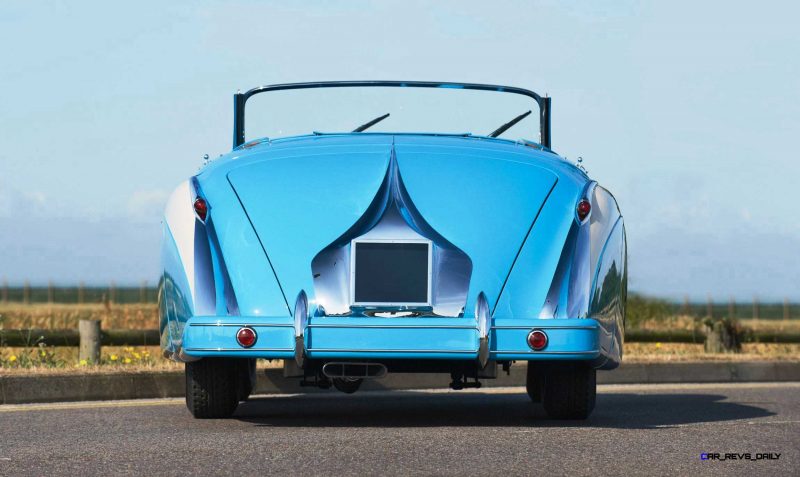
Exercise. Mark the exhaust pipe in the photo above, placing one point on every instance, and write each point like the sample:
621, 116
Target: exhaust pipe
343, 370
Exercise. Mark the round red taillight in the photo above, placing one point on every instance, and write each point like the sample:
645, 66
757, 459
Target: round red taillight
246, 337
537, 339
201, 208
583, 209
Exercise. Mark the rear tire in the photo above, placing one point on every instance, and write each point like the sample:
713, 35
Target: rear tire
247, 378
569, 390
534, 382
213, 387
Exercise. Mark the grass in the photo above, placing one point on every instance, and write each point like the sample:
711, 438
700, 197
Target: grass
34, 359
29, 361
113, 359
685, 352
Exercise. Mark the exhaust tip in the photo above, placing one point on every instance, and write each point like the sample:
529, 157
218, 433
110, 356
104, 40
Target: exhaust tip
346, 370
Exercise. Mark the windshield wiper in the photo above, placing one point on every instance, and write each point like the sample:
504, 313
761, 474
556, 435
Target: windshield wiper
375, 121
505, 127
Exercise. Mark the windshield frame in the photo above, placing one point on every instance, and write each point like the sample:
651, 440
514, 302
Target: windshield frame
240, 99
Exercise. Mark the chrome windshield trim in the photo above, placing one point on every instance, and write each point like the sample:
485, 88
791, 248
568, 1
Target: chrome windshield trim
240, 99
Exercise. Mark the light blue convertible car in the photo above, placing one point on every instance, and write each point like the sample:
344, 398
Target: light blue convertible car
420, 241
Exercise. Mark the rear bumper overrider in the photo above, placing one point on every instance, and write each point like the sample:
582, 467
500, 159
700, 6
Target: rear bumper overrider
395, 338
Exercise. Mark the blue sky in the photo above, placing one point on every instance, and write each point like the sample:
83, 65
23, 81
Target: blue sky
688, 112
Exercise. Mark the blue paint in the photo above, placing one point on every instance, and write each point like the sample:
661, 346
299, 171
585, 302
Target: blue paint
510, 207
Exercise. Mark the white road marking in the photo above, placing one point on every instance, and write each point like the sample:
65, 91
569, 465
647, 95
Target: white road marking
88, 405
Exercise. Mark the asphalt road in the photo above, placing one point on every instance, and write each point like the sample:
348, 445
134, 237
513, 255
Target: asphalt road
635, 430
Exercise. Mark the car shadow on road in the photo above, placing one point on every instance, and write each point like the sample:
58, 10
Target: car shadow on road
419, 409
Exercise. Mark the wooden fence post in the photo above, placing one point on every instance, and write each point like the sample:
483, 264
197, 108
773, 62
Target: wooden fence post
112, 293
755, 307
143, 292
89, 331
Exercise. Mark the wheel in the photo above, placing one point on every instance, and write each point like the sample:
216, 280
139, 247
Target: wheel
569, 390
534, 381
213, 387
247, 377
347, 385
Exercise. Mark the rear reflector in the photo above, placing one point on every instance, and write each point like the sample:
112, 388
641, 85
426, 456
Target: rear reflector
246, 337
201, 208
583, 209
537, 340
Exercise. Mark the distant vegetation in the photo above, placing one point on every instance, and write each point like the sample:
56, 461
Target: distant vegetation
79, 294
646, 309
641, 309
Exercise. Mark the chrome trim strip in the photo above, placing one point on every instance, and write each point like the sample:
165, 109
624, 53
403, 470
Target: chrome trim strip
248, 324
334, 350
240, 349
544, 352
547, 327
458, 327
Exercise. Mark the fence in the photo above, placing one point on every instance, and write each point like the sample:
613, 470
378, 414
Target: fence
80, 293
738, 309
642, 309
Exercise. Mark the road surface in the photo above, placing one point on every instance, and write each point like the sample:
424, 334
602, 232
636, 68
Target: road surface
635, 430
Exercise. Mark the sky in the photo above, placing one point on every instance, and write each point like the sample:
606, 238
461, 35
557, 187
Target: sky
689, 112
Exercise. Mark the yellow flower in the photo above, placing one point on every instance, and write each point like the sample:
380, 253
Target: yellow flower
128, 349
12, 358
127, 361
658, 345
114, 357
137, 356
83, 362
43, 353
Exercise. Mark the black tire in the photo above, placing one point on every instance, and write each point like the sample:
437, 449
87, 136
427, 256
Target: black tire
347, 386
247, 378
212, 387
534, 381
569, 390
